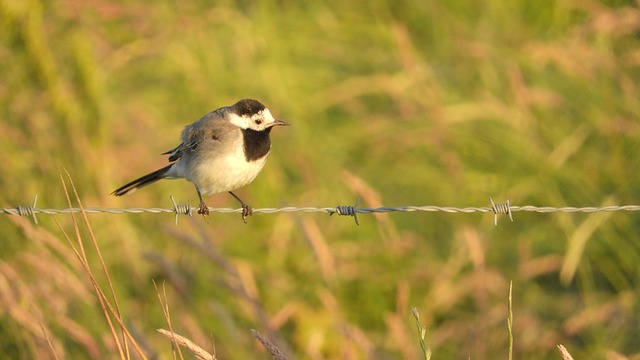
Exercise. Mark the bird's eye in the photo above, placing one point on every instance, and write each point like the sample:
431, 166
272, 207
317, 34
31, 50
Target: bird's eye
258, 121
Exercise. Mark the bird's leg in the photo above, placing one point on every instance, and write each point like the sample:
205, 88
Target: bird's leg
204, 209
246, 209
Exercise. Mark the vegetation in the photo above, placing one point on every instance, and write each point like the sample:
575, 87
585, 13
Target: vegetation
394, 102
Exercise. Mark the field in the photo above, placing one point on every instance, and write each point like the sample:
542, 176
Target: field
394, 103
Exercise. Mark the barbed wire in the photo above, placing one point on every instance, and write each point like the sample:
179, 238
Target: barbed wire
344, 210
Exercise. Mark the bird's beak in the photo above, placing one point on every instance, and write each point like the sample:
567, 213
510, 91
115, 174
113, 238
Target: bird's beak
279, 122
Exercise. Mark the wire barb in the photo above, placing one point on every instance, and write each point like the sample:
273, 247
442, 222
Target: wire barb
500, 209
28, 210
346, 210
180, 209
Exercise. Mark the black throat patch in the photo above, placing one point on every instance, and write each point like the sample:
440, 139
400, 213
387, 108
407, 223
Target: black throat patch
256, 143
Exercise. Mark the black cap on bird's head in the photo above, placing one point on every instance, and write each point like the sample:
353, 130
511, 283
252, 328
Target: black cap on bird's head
248, 107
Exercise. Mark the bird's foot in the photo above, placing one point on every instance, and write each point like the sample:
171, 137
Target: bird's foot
204, 209
246, 211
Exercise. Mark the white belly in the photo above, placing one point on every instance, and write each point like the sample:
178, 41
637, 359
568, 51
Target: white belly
217, 174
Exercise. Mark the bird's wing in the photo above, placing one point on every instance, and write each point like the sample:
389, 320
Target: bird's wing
207, 132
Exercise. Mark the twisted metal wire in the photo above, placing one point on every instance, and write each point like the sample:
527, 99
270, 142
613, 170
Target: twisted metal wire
344, 210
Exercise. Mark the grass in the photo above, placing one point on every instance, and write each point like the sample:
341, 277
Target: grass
426, 351
395, 103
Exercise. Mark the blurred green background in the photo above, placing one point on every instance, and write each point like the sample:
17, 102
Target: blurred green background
394, 102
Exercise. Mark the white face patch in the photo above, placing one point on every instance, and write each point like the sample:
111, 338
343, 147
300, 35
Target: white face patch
239, 121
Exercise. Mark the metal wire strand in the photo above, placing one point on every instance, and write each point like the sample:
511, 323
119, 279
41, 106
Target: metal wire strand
344, 210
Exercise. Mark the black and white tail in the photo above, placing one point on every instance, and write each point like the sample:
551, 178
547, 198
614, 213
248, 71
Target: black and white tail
143, 181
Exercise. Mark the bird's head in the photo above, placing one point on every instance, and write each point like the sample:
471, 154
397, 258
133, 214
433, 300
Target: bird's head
251, 114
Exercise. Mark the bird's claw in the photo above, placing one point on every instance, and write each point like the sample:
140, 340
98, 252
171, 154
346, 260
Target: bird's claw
246, 211
204, 209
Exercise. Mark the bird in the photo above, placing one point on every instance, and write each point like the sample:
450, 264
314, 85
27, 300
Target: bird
221, 152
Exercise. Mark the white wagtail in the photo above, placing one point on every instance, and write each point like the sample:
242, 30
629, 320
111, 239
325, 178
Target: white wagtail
223, 151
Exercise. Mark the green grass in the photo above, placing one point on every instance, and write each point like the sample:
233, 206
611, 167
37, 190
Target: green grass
396, 103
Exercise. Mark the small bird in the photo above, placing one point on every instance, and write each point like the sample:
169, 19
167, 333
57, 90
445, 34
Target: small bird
223, 151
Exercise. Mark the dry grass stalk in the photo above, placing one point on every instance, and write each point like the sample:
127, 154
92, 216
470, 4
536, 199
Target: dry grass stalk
564, 352
271, 348
54, 354
199, 352
165, 310
107, 307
